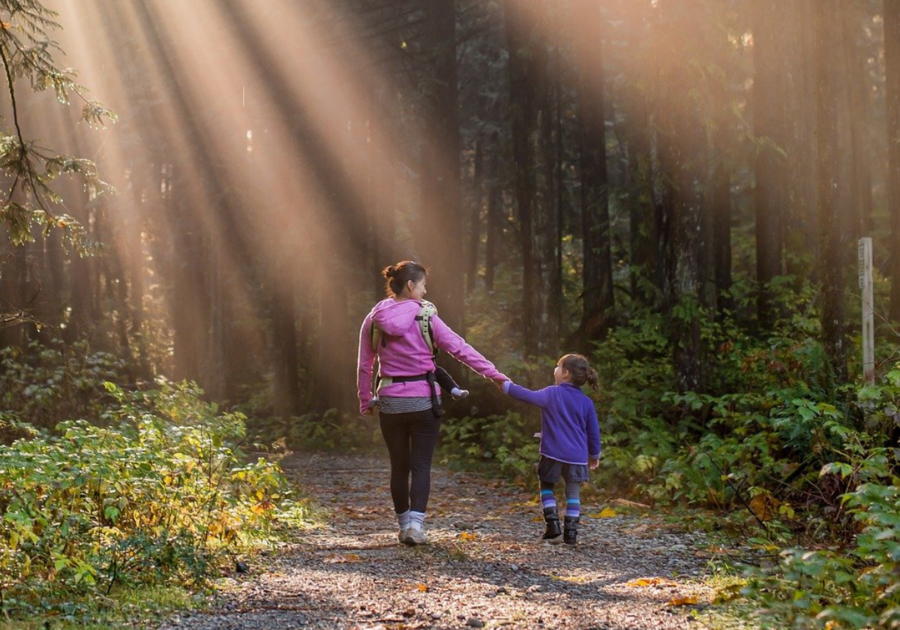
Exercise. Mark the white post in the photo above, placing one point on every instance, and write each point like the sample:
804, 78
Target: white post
868, 313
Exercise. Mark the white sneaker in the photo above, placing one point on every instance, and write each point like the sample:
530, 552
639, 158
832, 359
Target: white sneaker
415, 535
403, 536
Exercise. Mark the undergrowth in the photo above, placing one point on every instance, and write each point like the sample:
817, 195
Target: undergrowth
159, 496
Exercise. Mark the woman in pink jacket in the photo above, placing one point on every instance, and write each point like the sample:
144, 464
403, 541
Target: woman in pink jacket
408, 400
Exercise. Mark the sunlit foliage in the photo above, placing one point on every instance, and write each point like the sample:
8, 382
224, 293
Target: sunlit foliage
29, 53
161, 496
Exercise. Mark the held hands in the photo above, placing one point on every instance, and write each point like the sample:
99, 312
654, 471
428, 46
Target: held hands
593, 463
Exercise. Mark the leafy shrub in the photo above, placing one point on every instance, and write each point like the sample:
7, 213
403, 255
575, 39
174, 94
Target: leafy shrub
328, 431
852, 582
504, 442
44, 385
160, 496
833, 589
767, 414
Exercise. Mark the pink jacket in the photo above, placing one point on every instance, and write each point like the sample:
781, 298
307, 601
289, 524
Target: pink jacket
403, 351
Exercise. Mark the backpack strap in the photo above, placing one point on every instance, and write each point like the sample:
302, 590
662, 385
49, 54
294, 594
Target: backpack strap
375, 335
427, 311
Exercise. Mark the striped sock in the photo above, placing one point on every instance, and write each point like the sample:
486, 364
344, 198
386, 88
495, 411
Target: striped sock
548, 500
573, 501
403, 520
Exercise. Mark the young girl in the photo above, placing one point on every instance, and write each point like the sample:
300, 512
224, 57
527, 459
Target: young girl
570, 438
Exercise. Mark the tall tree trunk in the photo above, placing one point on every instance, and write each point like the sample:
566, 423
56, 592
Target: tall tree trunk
286, 382
800, 238
82, 316
216, 368
682, 152
831, 246
531, 122
137, 264
720, 208
646, 209
476, 204
13, 268
493, 243
892, 89
190, 307
441, 197
857, 90
597, 277
684, 249
770, 85
644, 219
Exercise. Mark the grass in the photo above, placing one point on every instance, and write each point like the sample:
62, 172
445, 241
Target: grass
134, 608
728, 612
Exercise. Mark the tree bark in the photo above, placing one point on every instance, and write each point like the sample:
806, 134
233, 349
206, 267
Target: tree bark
770, 85
682, 150
721, 209
800, 238
857, 92
828, 180
441, 198
493, 241
476, 205
597, 276
531, 126
892, 88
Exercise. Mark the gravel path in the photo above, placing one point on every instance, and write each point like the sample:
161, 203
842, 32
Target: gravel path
485, 565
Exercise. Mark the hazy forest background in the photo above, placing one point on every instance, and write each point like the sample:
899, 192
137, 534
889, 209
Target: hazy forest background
674, 188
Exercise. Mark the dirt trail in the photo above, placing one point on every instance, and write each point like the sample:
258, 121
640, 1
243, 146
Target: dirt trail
484, 567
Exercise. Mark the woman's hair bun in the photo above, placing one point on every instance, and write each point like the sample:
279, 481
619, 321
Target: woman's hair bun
390, 271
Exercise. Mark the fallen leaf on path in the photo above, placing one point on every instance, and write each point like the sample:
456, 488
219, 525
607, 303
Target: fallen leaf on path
683, 601
423, 587
604, 513
655, 581
467, 536
578, 579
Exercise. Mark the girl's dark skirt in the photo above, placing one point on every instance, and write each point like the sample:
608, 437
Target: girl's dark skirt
550, 471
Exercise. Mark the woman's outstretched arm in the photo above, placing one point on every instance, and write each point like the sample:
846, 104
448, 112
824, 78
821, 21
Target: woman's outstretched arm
456, 346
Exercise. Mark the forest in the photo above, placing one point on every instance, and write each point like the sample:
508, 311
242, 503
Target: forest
199, 198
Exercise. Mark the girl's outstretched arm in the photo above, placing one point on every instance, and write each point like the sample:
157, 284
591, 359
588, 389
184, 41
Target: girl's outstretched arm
539, 398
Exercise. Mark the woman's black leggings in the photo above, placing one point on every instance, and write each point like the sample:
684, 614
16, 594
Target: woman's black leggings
410, 438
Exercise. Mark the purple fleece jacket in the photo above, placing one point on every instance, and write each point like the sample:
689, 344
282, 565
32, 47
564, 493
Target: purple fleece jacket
570, 432
403, 351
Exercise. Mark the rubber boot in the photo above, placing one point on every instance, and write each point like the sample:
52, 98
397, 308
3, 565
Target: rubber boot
570, 530
551, 517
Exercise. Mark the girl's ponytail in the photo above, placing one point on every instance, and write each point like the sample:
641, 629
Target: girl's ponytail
593, 380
